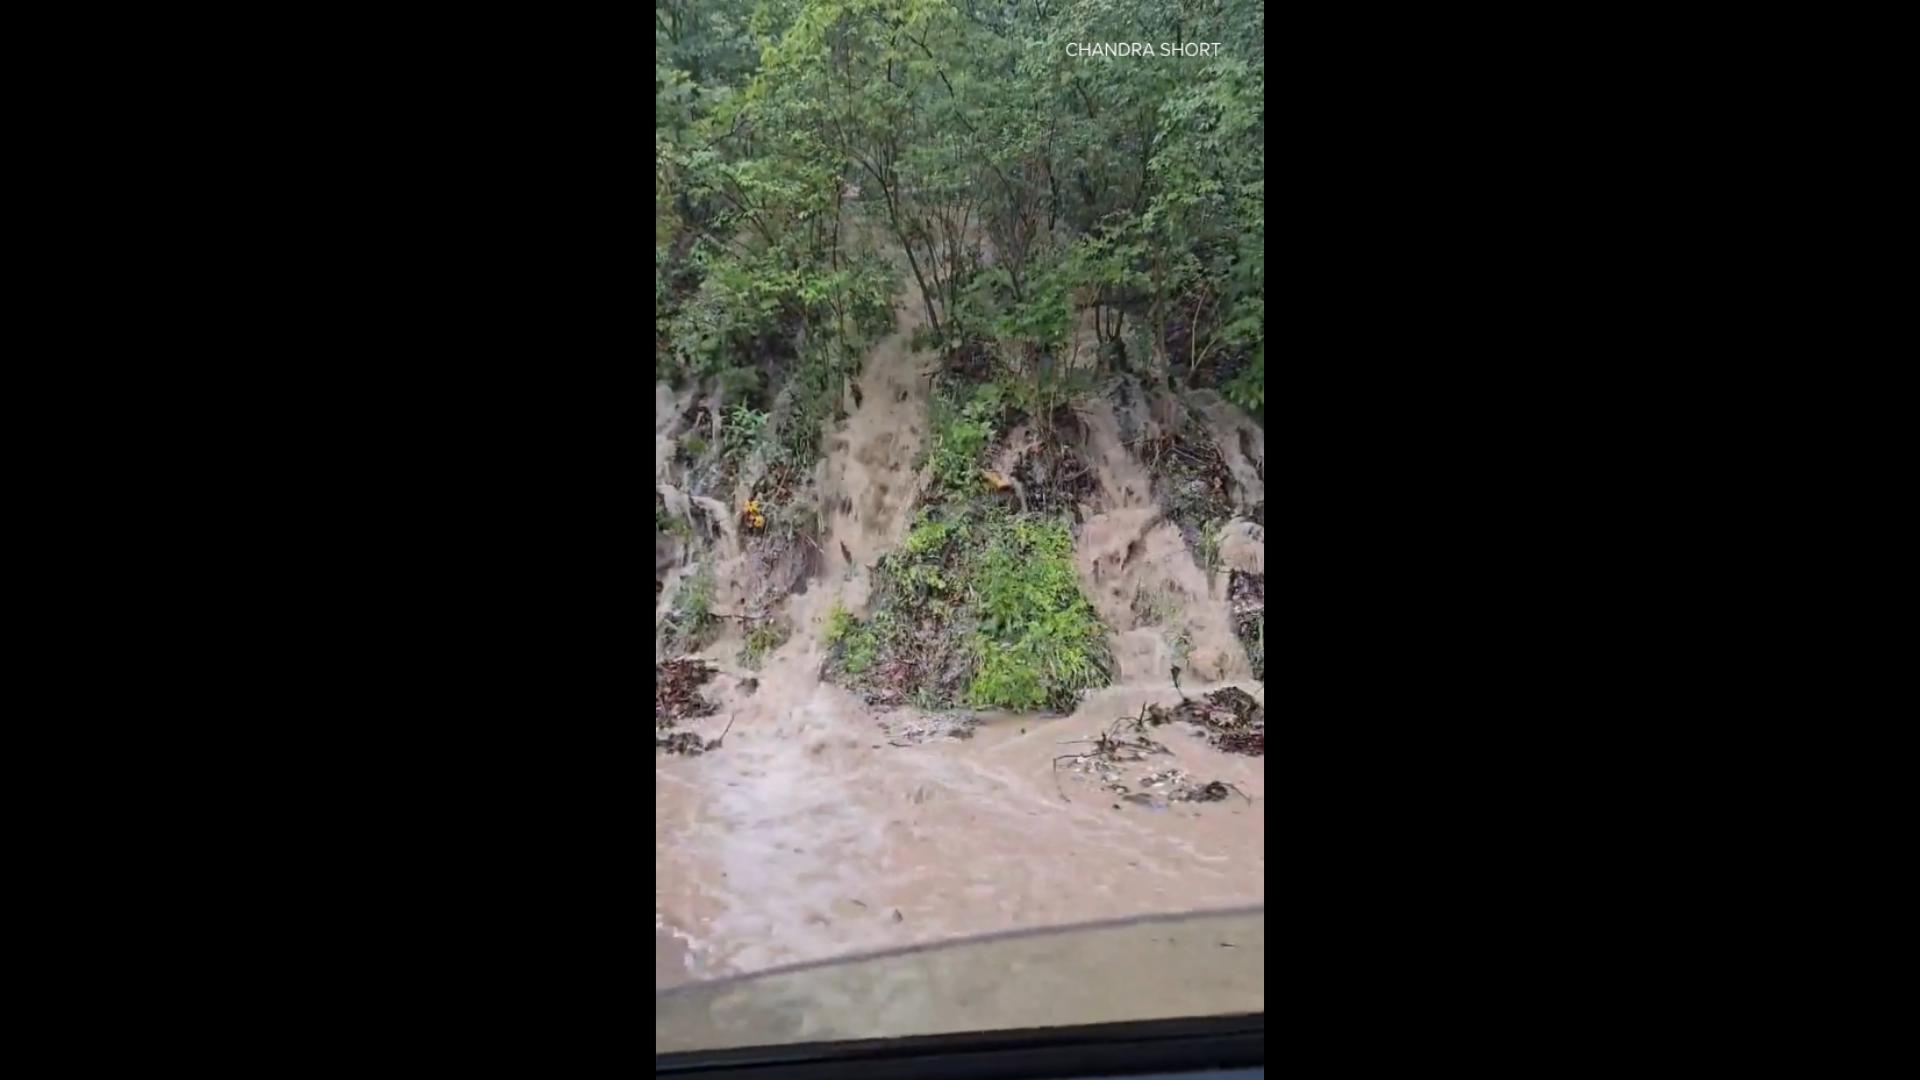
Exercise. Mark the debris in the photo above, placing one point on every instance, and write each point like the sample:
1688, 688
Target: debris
1173, 785
680, 742
897, 917
1109, 752
1247, 593
676, 697
1231, 718
676, 691
1191, 482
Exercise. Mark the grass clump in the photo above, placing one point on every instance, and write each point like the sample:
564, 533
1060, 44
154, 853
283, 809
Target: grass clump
981, 608
839, 624
1209, 552
691, 622
762, 640
741, 431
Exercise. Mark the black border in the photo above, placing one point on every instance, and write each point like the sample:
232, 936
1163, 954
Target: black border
1198, 1043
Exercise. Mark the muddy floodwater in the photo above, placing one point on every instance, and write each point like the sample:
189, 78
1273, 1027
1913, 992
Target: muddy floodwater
824, 827
809, 836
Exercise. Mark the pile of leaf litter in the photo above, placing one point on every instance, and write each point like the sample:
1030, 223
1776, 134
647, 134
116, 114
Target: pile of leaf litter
1230, 718
677, 697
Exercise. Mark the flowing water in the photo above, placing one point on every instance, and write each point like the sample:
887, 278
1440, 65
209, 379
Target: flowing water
820, 830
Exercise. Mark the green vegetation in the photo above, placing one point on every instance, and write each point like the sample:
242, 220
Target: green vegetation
1030, 192
691, 622
1070, 225
960, 438
763, 639
839, 624
812, 395
978, 607
742, 384
741, 431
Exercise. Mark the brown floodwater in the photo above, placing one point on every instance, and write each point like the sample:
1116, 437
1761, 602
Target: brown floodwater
825, 827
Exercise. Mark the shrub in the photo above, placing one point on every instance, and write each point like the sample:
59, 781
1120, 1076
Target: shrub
1040, 641
742, 384
976, 607
960, 436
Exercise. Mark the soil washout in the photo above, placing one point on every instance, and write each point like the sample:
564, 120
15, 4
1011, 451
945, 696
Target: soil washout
819, 830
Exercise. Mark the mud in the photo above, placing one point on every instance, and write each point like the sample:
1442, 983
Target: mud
802, 838
1126, 547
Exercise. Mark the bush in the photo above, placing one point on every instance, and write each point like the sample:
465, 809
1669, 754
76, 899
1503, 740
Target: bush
981, 608
1040, 641
960, 436
812, 396
742, 385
